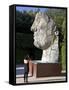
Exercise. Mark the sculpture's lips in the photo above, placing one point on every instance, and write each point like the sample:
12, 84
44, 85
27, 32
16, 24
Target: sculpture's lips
35, 37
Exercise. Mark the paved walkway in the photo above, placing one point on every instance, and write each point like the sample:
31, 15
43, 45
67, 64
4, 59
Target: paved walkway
43, 79
20, 79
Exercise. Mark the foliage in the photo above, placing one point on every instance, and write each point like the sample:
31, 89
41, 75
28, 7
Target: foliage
24, 21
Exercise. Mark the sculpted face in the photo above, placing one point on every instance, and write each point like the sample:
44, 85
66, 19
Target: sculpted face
43, 28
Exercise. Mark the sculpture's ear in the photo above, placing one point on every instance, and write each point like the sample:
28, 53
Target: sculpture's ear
56, 32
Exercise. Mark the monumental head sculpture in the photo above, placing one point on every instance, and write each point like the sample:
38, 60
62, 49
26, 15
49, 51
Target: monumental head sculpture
45, 36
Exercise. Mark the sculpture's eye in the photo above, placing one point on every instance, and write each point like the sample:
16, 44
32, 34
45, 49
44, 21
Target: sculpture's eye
41, 27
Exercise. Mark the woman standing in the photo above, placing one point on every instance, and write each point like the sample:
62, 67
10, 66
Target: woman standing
26, 68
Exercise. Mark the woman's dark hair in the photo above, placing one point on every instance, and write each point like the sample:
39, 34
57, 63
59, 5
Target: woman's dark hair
27, 57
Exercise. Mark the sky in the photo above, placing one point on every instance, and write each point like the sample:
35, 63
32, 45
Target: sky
23, 8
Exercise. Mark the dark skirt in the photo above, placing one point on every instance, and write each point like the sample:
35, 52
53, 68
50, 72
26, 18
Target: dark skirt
26, 68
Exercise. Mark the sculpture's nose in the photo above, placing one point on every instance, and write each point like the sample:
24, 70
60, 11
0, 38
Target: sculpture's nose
33, 29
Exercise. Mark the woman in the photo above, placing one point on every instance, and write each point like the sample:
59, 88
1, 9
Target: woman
26, 68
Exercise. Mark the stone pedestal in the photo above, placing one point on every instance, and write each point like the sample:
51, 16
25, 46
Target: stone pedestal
46, 69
